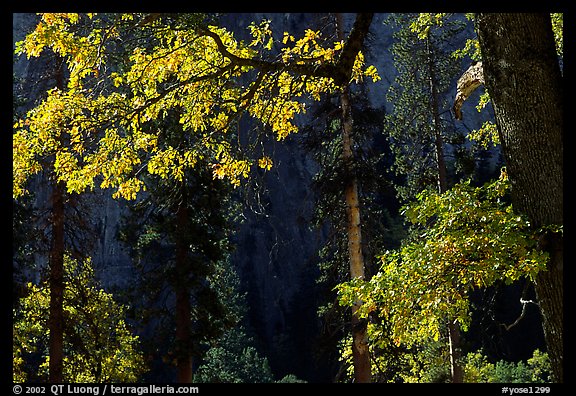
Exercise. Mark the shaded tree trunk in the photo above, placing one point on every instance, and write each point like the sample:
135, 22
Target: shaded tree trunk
183, 307
360, 351
456, 369
56, 261
522, 76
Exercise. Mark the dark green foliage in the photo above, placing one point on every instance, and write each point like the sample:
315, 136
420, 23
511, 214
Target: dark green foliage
234, 360
421, 96
206, 268
24, 245
154, 233
233, 356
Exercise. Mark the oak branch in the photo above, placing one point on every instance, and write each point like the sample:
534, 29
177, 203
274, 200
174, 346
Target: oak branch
467, 83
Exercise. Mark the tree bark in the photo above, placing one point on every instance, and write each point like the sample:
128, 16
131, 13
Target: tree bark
522, 76
360, 351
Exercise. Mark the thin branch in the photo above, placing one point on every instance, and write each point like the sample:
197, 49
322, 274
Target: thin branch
519, 318
524, 303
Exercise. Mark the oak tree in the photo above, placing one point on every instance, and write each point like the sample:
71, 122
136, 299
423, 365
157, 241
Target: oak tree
524, 81
94, 327
467, 238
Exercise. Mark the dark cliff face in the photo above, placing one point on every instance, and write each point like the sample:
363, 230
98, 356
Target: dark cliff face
276, 258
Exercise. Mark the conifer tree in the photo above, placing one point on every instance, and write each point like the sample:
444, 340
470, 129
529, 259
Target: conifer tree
179, 237
421, 123
527, 93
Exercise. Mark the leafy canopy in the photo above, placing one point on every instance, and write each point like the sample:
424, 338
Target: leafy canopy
126, 70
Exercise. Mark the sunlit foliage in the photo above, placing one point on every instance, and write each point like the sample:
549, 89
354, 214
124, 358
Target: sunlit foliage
97, 127
99, 346
479, 369
465, 239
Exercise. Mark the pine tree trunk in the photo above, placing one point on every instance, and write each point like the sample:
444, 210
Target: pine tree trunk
522, 76
360, 352
456, 370
183, 308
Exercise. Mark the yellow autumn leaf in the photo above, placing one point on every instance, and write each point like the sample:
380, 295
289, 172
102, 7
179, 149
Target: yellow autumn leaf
265, 163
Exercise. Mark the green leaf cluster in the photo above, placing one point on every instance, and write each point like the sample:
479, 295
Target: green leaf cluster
477, 368
464, 239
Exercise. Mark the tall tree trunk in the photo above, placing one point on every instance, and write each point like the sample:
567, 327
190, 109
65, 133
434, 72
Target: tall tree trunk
56, 314
360, 351
56, 280
522, 76
435, 110
456, 370
183, 308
